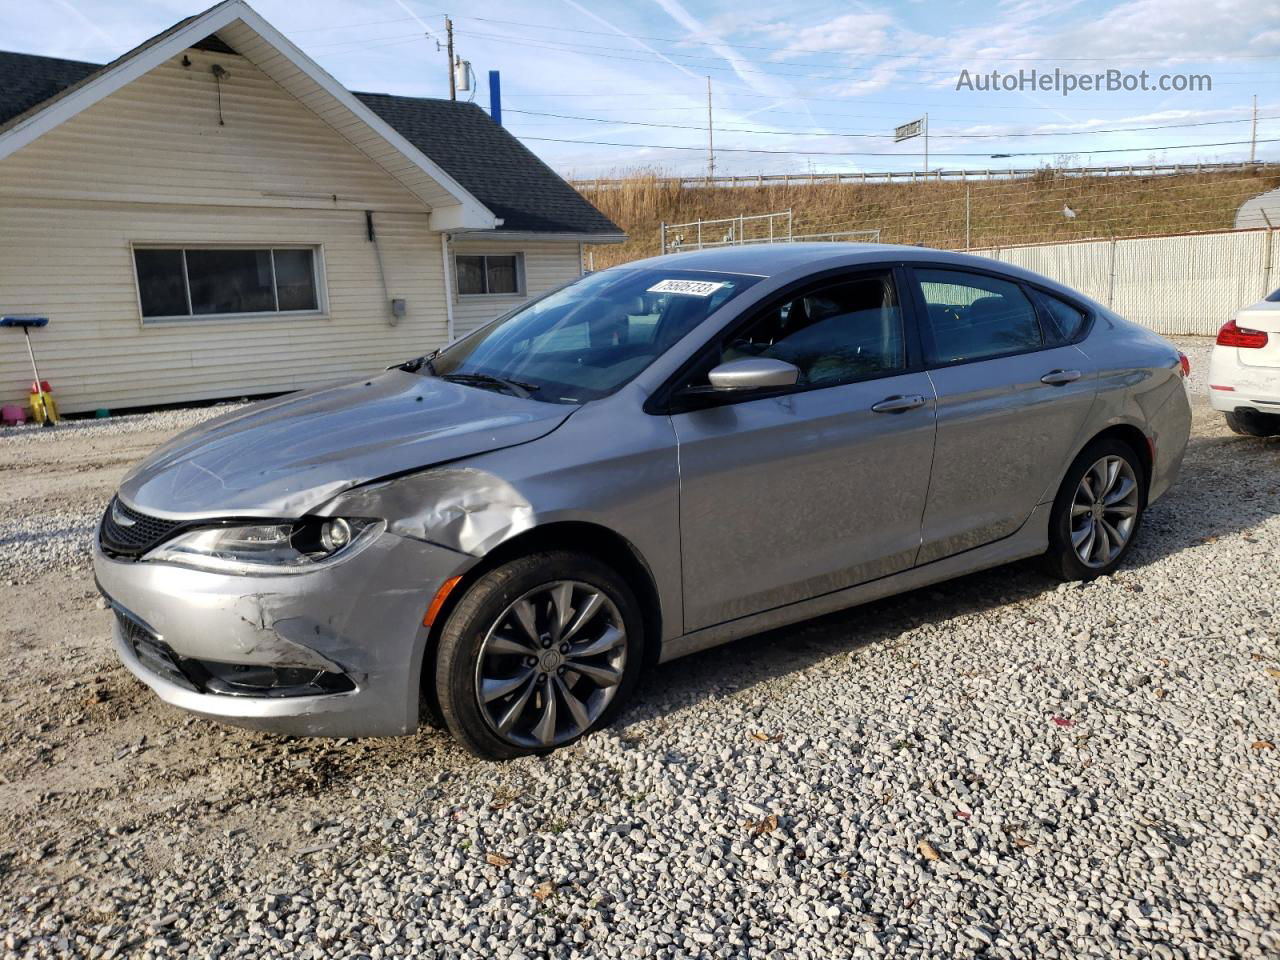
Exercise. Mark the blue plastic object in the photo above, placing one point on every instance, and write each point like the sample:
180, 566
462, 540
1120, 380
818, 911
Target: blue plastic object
24, 321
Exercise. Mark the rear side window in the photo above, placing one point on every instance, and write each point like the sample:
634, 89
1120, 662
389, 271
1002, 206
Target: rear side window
1065, 322
972, 316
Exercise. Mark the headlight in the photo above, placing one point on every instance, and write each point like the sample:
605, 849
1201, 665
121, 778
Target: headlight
268, 548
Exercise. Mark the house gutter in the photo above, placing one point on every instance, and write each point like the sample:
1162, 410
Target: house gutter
593, 238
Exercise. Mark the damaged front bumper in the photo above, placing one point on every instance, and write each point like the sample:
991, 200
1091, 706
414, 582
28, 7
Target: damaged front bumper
333, 652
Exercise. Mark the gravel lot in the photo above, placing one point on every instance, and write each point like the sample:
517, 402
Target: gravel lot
997, 767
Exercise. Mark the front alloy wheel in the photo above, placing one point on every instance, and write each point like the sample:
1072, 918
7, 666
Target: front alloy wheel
538, 651
551, 664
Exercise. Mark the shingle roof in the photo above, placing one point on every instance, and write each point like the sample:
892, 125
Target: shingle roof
490, 163
495, 167
27, 81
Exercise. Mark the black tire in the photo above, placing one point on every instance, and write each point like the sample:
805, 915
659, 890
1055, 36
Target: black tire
1251, 423
481, 608
1061, 559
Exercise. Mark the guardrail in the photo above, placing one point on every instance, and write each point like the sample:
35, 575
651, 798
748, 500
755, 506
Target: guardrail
918, 176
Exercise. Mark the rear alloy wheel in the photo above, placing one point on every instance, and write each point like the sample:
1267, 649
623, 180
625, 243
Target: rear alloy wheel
1251, 423
540, 651
1104, 511
1097, 512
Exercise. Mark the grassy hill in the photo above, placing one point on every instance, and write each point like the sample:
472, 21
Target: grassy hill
1001, 212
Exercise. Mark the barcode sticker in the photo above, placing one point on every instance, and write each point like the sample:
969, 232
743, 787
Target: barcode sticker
689, 288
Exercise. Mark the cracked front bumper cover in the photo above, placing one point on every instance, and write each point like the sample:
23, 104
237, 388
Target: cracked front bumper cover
360, 619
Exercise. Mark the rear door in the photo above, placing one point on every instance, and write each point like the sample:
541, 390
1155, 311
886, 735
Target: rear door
1013, 396
806, 489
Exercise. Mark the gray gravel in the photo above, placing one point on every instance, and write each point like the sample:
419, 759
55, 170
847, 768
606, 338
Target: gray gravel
34, 541
997, 767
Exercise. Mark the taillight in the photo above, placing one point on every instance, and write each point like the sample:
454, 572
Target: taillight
1184, 363
1232, 336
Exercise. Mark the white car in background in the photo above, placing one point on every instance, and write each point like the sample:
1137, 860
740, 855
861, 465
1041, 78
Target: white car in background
1244, 371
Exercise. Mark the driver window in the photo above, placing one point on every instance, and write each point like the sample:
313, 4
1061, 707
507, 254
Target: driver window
848, 330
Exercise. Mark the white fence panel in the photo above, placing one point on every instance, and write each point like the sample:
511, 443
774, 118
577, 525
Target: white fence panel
1189, 285
1273, 265
1175, 285
1088, 264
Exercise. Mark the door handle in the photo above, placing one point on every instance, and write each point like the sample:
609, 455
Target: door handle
898, 404
1057, 378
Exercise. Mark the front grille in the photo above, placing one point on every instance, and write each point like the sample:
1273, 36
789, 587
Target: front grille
152, 653
137, 534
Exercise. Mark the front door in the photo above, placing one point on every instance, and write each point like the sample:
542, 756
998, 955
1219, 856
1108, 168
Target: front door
813, 488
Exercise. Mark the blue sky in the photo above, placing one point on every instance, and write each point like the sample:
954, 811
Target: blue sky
812, 85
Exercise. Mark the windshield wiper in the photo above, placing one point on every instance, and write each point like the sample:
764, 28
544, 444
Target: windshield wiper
417, 363
514, 387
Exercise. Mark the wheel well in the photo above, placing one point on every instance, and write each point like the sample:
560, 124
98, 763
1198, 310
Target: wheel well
1133, 438
609, 547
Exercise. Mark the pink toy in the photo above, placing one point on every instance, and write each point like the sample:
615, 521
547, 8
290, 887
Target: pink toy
12, 415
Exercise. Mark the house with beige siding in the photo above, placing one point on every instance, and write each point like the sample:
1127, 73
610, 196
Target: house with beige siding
212, 215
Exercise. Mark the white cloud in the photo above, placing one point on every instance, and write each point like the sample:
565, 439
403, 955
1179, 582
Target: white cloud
852, 33
747, 73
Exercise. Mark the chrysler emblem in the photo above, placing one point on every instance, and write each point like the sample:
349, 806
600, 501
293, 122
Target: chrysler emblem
118, 517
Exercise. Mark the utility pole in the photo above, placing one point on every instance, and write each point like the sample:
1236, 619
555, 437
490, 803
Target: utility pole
1253, 139
926, 144
448, 31
711, 143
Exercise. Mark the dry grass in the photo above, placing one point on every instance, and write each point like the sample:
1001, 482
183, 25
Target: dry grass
1001, 212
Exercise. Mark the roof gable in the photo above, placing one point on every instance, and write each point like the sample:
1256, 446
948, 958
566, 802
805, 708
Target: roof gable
470, 171
238, 25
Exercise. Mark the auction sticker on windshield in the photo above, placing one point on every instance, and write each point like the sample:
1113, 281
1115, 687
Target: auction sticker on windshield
690, 288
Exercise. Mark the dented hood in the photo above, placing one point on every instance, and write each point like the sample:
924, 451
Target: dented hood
286, 456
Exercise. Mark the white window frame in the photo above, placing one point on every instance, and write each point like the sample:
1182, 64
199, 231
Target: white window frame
520, 281
320, 311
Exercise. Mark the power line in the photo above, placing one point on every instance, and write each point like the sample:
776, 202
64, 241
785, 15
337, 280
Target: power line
541, 44
884, 153
779, 102
549, 43
885, 136
886, 56
829, 99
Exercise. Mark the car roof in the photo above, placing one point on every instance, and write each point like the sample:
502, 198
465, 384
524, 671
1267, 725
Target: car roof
782, 258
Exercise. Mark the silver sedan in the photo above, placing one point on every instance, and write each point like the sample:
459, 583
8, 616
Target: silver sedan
653, 460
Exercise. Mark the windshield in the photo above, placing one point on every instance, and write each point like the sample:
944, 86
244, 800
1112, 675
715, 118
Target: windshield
586, 340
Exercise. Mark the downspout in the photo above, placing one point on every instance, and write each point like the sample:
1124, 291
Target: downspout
448, 287
372, 236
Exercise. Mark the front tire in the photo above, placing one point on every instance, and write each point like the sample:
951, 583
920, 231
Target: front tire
1251, 423
1097, 512
539, 651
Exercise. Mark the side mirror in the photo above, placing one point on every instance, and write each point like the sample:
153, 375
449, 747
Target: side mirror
753, 373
